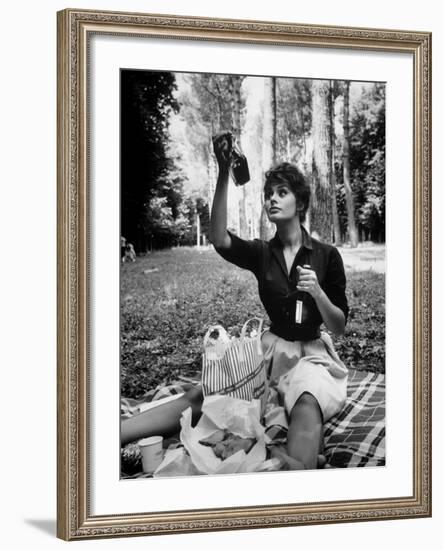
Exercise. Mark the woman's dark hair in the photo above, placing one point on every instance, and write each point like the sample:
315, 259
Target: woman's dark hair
288, 173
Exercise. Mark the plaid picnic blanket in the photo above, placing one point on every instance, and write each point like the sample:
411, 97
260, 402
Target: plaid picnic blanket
355, 437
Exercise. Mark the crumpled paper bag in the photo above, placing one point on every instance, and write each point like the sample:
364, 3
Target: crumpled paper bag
176, 462
219, 412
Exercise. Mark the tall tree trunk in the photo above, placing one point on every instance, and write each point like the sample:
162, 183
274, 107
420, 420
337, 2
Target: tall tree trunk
352, 229
321, 209
252, 146
198, 230
237, 130
307, 222
288, 148
233, 217
267, 229
331, 160
274, 118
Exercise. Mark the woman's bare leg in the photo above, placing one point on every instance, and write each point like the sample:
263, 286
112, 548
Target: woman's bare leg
305, 434
163, 419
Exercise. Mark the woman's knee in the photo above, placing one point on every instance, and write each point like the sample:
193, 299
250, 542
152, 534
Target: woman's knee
305, 403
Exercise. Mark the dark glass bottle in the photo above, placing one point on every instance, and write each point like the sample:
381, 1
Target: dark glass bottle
239, 167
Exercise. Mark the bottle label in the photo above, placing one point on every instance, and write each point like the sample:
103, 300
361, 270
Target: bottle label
298, 312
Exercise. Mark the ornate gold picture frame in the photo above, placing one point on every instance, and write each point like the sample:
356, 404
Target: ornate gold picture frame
76, 518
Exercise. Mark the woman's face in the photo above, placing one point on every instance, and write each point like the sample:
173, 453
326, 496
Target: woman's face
280, 202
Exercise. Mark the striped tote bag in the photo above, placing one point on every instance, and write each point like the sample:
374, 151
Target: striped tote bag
234, 366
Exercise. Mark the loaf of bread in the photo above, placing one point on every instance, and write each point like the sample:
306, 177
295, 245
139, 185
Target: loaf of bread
225, 444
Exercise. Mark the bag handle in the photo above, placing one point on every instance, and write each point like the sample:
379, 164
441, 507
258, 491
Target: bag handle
243, 335
221, 331
245, 326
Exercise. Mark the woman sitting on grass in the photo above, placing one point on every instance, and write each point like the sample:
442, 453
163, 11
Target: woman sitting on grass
301, 283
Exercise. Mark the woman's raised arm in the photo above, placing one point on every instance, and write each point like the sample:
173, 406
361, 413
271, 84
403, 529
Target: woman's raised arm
218, 234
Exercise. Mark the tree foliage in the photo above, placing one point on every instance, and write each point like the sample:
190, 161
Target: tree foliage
150, 186
294, 120
368, 161
169, 171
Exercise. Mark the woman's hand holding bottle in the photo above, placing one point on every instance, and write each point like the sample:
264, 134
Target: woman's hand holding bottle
308, 282
230, 157
223, 150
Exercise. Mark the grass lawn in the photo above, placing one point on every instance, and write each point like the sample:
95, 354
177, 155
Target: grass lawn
170, 297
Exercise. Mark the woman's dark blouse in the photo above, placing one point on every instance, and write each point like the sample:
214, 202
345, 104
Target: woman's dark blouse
278, 289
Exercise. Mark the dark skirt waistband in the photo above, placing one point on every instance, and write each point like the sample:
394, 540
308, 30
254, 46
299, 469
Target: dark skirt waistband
297, 334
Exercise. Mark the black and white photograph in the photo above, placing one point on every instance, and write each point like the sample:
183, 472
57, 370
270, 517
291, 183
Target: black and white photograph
252, 274
217, 299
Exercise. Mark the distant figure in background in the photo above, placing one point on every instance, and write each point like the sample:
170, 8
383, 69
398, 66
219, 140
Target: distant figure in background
122, 247
129, 253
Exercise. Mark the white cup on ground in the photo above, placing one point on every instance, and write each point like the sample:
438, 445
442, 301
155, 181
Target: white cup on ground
151, 449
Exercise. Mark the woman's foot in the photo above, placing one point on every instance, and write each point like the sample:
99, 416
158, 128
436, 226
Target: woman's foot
290, 463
